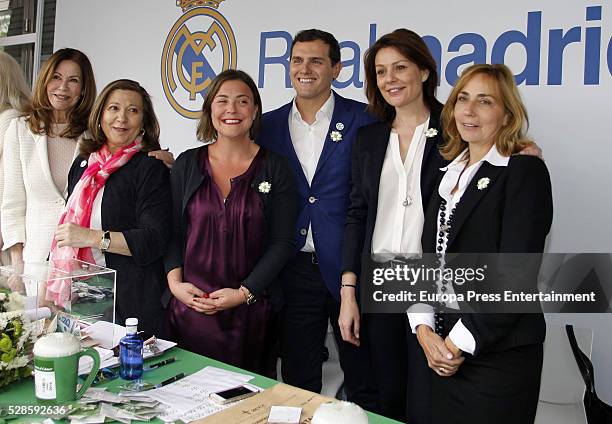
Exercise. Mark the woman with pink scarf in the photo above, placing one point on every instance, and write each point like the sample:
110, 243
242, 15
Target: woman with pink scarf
118, 213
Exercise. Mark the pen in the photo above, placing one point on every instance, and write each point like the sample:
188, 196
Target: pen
170, 380
159, 364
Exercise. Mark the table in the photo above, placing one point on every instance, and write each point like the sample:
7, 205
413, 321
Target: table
22, 393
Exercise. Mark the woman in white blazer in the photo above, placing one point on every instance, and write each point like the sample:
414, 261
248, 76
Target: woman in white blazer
14, 96
38, 148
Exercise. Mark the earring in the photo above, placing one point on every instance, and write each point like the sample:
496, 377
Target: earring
142, 132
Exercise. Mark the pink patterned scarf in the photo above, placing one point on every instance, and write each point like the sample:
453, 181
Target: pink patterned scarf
78, 210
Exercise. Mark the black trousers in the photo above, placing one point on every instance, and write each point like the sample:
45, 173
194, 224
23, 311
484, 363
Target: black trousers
387, 336
418, 392
308, 308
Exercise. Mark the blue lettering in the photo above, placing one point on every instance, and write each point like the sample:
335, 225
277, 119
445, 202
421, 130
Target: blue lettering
479, 55
592, 47
273, 60
435, 48
529, 38
610, 56
355, 62
372, 34
531, 42
557, 41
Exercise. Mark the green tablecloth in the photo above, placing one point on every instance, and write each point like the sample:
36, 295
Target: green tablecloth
22, 393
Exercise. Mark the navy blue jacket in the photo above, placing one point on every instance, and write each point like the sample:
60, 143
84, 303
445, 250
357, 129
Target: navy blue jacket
324, 203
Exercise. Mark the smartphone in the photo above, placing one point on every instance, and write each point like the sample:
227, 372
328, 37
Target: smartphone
233, 394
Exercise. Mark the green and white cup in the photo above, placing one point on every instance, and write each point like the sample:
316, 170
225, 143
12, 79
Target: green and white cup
56, 367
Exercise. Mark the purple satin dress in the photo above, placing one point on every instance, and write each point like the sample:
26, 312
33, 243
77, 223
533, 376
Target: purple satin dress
224, 241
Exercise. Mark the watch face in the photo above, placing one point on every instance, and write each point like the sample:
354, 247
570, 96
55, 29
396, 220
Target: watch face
105, 244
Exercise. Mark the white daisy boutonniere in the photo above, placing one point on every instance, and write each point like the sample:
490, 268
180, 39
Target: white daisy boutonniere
483, 183
431, 132
336, 136
264, 187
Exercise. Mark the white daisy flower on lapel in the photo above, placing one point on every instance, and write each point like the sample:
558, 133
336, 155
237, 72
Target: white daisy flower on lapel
431, 132
483, 183
336, 136
264, 187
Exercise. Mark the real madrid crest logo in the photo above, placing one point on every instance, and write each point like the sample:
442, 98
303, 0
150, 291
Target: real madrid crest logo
200, 45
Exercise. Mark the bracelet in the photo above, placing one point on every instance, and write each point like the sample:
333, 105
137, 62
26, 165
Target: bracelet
348, 285
248, 296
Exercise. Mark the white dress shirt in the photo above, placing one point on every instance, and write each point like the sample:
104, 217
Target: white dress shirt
399, 214
457, 175
308, 141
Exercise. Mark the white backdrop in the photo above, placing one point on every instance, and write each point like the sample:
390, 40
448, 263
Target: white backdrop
567, 91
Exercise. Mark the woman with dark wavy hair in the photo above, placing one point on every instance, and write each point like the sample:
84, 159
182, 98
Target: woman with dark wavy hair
118, 213
39, 148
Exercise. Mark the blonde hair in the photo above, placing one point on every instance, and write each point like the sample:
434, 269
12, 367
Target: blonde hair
14, 90
510, 139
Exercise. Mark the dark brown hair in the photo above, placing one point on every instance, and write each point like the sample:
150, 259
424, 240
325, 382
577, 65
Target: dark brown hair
206, 132
410, 45
40, 111
510, 139
317, 34
150, 139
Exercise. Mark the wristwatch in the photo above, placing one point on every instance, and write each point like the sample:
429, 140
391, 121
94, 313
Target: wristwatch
250, 299
105, 241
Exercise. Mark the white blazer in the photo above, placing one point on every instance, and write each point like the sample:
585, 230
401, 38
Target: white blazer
31, 203
5, 119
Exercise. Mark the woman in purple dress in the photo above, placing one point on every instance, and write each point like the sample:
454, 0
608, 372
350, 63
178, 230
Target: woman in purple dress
234, 213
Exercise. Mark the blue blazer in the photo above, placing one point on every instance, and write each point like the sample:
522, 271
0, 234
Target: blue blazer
324, 203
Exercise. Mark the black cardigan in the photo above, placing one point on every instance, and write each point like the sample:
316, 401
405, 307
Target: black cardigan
136, 202
279, 210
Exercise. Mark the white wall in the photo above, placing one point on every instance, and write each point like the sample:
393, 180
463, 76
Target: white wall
571, 121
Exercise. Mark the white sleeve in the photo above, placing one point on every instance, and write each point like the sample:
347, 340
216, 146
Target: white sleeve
13, 208
420, 314
462, 338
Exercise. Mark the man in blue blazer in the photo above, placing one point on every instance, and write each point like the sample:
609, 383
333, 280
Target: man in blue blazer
316, 132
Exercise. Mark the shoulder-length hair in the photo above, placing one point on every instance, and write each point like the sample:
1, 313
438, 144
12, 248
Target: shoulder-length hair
40, 111
14, 91
410, 45
97, 138
206, 132
510, 139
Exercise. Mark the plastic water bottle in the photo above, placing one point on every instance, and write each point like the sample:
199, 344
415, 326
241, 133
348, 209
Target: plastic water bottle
130, 352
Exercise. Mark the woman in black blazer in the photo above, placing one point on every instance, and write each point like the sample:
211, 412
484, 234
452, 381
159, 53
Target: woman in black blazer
489, 200
234, 210
401, 80
118, 213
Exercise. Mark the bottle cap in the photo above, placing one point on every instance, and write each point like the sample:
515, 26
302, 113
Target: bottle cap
131, 322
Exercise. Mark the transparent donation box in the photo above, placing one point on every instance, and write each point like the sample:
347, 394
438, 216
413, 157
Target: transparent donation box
70, 290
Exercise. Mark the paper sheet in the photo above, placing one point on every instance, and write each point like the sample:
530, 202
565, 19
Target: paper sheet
188, 399
256, 409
